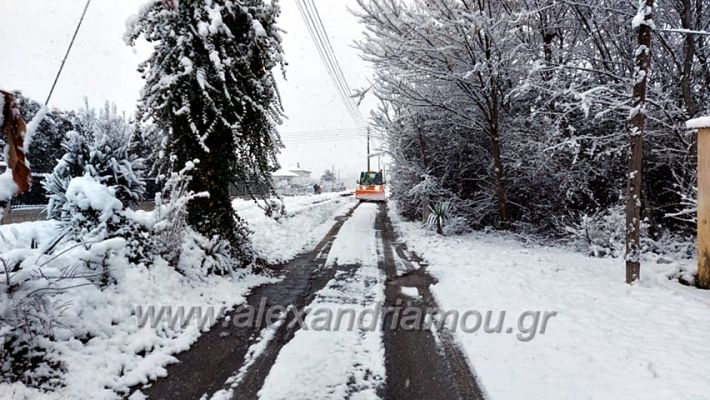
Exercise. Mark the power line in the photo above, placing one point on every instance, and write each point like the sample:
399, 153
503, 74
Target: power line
319, 37
328, 49
322, 136
61, 67
325, 58
335, 61
325, 140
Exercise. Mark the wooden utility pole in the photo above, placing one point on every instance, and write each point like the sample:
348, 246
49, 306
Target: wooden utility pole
644, 22
703, 228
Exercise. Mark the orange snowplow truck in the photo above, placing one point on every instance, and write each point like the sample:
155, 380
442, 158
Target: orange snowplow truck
371, 186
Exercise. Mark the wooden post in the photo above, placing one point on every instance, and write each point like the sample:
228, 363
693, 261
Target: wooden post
703, 126
638, 125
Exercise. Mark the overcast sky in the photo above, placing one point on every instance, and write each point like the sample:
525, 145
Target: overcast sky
35, 34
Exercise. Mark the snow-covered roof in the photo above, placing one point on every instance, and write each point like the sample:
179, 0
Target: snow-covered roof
697, 123
299, 169
284, 173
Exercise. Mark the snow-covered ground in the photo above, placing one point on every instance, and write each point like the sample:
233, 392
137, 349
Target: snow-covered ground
307, 220
340, 363
608, 340
102, 346
100, 343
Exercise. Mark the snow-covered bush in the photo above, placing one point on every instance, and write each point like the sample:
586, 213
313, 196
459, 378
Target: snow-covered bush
101, 147
201, 256
170, 224
601, 234
96, 180
31, 312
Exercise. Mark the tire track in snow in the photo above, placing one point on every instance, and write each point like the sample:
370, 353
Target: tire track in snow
222, 351
346, 360
421, 364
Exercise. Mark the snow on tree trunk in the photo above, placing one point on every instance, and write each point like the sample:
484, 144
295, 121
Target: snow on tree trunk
643, 21
210, 88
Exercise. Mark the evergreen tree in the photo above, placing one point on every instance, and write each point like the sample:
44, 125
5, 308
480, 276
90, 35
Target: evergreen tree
46, 148
210, 87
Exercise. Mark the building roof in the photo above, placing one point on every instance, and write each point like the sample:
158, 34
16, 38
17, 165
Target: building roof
284, 173
298, 169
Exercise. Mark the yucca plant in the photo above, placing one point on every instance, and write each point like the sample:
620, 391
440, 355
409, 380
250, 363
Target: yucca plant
439, 216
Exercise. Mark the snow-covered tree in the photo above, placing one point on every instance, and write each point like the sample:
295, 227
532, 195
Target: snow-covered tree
210, 88
96, 181
100, 146
46, 148
526, 104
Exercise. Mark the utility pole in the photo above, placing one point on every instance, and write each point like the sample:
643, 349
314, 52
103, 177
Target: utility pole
368, 149
638, 124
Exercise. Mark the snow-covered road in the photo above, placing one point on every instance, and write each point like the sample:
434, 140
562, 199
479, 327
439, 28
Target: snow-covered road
337, 363
341, 349
331, 339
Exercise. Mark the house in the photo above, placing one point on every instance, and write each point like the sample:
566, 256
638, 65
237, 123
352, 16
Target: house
292, 181
291, 174
283, 175
301, 172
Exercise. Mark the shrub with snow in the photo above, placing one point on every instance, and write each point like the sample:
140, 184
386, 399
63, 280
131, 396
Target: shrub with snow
100, 147
96, 180
32, 280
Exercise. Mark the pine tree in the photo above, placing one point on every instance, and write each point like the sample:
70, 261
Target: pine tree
210, 87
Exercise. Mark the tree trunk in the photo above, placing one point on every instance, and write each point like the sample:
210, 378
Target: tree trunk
686, 16
638, 124
496, 153
499, 175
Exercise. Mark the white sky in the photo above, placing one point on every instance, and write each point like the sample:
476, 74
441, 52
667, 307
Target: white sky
35, 34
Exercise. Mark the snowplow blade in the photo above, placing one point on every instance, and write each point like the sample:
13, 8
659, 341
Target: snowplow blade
370, 193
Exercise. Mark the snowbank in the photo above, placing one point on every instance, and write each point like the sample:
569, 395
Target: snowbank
607, 341
100, 343
307, 220
103, 347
